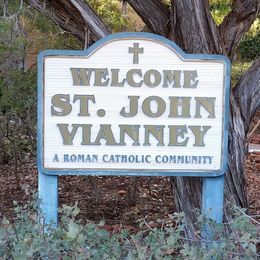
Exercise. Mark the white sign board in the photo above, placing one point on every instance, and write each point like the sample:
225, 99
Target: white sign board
132, 103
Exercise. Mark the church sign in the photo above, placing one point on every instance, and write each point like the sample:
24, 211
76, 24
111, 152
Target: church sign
132, 104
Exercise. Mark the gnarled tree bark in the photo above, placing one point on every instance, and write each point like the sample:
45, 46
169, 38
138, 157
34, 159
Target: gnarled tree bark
237, 23
191, 26
194, 29
244, 102
154, 14
75, 17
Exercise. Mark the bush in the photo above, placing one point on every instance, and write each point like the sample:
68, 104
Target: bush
17, 115
249, 48
26, 239
219, 9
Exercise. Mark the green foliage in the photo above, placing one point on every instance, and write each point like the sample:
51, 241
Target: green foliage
248, 50
18, 92
249, 47
18, 113
238, 69
167, 2
26, 239
47, 35
109, 11
219, 9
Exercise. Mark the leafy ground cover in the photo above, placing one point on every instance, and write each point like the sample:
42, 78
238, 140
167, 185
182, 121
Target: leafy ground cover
26, 239
107, 222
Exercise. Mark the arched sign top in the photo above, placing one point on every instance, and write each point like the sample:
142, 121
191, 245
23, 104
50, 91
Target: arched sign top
136, 35
132, 104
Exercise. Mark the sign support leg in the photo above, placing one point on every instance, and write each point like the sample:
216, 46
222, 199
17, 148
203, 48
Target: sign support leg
48, 195
213, 198
212, 204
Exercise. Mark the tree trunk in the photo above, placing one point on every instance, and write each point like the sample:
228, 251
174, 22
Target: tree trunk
190, 24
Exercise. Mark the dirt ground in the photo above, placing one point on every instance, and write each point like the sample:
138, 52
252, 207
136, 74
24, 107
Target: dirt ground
99, 198
111, 198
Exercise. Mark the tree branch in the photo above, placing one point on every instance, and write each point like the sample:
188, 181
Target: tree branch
74, 16
237, 23
194, 29
247, 93
154, 14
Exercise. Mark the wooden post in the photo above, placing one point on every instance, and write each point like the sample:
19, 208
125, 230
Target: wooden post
48, 195
212, 198
212, 204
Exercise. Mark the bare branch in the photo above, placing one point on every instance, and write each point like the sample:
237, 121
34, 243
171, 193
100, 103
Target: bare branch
237, 23
14, 16
74, 16
154, 14
250, 135
247, 93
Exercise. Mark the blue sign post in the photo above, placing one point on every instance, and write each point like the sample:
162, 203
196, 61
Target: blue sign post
132, 104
